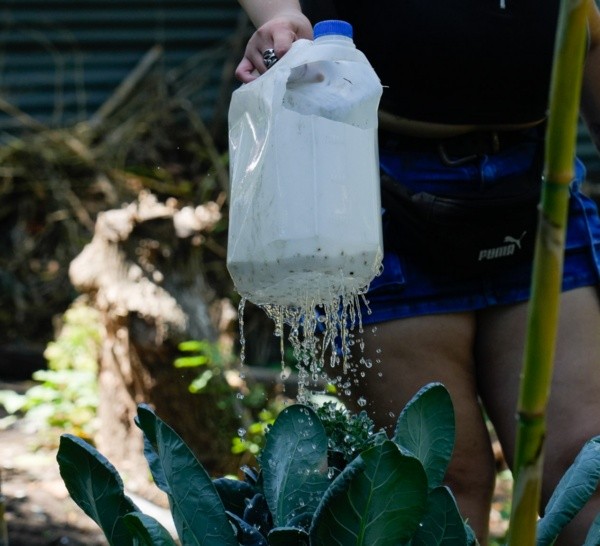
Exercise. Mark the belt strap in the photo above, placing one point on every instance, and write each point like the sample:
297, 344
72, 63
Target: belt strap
455, 150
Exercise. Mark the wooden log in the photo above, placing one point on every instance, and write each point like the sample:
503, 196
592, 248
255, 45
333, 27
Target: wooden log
143, 272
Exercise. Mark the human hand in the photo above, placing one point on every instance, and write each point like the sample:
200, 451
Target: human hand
279, 34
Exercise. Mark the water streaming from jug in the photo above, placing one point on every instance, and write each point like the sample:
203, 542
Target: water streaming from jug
322, 337
305, 235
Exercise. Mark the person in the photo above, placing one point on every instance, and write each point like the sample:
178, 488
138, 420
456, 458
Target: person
466, 89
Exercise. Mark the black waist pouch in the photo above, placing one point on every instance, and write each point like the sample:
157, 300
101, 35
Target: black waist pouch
467, 235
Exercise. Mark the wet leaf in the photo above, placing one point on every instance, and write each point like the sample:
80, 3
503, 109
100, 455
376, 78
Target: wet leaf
294, 464
426, 428
198, 512
378, 500
95, 485
572, 492
247, 535
442, 524
233, 494
288, 536
147, 530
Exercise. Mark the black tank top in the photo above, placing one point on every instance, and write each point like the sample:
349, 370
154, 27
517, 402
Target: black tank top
458, 61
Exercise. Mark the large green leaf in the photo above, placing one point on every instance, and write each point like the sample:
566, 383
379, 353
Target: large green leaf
247, 535
426, 428
198, 513
471, 538
442, 524
593, 536
294, 464
234, 494
573, 491
288, 536
95, 485
147, 531
151, 448
378, 500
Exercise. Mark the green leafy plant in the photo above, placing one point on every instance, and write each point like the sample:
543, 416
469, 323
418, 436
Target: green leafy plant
311, 488
347, 434
316, 486
214, 365
575, 488
66, 394
205, 356
252, 438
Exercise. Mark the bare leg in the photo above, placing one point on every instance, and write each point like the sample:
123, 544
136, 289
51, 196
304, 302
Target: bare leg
573, 415
416, 351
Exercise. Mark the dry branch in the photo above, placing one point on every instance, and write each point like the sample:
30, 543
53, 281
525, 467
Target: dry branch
55, 181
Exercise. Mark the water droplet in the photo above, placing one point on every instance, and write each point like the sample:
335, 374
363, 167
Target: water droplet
362, 402
323, 327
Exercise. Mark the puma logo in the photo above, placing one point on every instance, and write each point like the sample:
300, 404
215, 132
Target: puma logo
507, 249
509, 239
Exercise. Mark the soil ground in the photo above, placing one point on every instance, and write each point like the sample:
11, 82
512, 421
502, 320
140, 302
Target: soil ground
39, 511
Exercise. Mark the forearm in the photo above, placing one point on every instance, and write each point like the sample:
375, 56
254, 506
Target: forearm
261, 11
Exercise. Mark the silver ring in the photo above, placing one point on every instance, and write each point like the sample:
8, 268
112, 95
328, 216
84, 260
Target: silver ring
269, 58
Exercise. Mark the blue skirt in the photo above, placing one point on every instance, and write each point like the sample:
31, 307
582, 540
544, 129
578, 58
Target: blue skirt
410, 287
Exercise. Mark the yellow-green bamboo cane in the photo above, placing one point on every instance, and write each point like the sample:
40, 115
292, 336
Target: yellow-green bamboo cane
547, 271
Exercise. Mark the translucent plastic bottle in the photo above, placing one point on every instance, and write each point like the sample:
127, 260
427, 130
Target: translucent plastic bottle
304, 199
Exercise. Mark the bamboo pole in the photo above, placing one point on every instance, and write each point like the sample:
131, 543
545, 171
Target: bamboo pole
547, 270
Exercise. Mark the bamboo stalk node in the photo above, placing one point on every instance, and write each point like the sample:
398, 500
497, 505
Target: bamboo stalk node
552, 236
559, 179
531, 417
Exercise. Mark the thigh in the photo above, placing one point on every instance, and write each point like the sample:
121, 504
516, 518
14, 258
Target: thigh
574, 407
401, 356
573, 413
406, 355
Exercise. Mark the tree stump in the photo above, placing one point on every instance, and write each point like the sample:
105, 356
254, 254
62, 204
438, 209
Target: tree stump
143, 271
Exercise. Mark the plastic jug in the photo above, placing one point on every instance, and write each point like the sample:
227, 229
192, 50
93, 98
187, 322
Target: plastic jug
305, 224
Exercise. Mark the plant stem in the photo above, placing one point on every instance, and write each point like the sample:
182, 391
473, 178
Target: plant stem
547, 270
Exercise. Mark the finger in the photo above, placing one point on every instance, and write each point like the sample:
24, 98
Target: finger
254, 53
282, 41
246, 71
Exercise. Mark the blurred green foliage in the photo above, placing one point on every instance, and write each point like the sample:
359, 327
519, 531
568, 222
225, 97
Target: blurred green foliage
65, 395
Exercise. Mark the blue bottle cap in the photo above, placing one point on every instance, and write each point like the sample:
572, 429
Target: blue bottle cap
332, 26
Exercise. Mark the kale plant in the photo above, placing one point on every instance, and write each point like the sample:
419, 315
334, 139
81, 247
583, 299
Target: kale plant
387, 492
